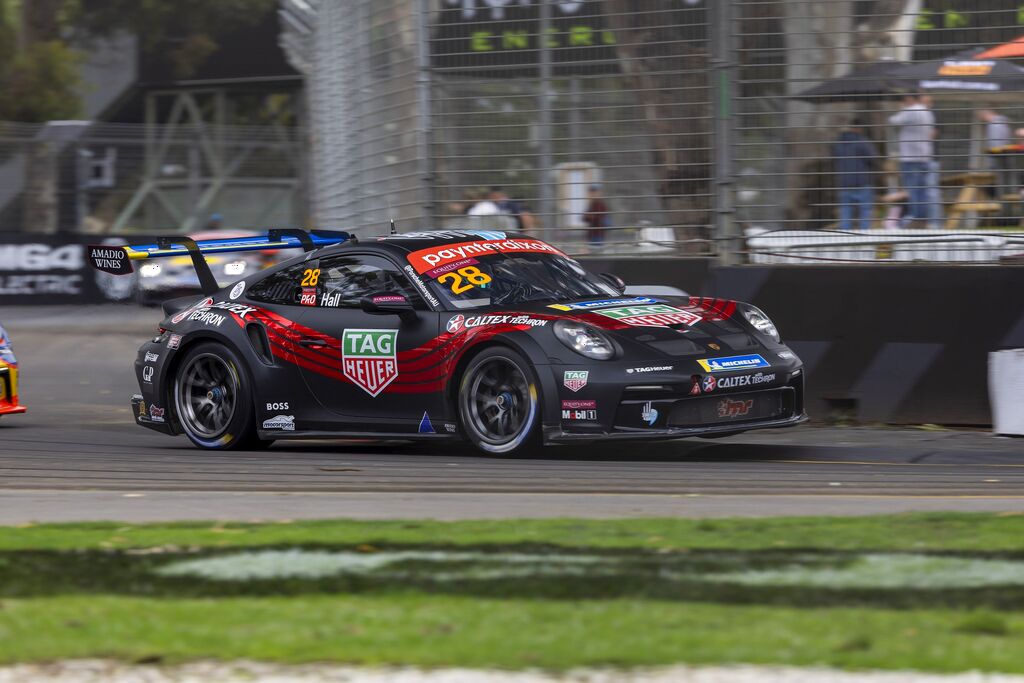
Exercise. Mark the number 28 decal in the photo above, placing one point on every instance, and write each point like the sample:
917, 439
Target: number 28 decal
310, 276
465, 279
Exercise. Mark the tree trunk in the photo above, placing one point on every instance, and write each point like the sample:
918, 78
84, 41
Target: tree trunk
40, 205
663, 64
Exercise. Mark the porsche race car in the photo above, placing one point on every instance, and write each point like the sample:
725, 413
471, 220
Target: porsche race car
8, 377
495, 338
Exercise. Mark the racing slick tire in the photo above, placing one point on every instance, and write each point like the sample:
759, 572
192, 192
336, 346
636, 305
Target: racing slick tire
213, 399
499, 403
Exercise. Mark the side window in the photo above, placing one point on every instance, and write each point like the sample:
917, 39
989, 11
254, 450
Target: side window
344, 280
284, 286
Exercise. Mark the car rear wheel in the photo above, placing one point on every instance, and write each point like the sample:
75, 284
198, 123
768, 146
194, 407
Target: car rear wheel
499, 405
213, 399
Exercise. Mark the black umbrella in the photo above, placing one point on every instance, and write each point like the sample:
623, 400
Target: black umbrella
962, 74
872, 80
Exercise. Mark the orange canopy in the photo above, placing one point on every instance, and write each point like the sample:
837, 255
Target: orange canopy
1014, 48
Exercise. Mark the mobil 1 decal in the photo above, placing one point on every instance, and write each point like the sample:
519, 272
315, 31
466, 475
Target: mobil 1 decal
653, 315
368, 358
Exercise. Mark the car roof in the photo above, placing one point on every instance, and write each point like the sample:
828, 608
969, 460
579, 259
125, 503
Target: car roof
398, 245
421, 239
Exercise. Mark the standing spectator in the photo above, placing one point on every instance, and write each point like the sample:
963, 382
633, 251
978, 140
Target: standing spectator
931, 179
596, 216
998, 133
915, 130
855, 157
485, 214
523, 217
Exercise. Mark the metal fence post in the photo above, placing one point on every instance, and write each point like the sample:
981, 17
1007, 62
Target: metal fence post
544, 178
425, 113
723, 60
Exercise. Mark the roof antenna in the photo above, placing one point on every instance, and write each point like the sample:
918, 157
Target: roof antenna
394, 231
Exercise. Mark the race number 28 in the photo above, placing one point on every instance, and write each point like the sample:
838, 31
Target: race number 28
310, 277
465, 279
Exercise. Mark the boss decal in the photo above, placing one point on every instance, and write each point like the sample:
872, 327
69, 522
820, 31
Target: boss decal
369, 359
655, 315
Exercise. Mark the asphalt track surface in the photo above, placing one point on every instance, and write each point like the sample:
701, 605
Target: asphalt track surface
77, 455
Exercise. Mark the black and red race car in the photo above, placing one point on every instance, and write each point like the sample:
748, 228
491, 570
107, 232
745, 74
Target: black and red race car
496, 338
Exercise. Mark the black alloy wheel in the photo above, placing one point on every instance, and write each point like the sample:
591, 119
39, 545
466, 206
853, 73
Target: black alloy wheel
213, 401
499, 404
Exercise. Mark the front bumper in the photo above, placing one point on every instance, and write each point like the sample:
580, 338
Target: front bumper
557, 436
676, 401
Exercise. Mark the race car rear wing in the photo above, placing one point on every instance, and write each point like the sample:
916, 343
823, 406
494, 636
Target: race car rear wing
118, 260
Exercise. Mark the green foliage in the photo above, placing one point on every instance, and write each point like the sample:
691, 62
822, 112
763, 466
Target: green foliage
183, 32
38, 84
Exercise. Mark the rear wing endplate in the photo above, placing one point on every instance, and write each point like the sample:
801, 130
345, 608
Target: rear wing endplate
118, 260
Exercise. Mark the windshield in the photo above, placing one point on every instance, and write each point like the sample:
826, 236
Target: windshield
503, 279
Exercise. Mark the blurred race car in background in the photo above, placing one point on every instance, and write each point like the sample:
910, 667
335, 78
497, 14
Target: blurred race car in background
177, 277
8, 377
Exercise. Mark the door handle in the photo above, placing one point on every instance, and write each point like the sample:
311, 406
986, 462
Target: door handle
312, 342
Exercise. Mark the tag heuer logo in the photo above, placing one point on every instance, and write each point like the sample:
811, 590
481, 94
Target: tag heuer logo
574, 380
656, 315
368, 358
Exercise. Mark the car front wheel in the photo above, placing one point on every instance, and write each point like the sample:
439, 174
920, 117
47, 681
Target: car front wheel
499, 404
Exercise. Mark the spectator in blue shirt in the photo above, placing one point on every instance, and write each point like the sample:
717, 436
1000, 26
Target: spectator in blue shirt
855, 156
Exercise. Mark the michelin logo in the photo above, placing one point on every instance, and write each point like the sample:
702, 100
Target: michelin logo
605, 303
285, 423
753, 360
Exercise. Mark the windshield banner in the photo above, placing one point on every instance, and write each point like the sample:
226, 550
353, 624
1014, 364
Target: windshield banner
433, 258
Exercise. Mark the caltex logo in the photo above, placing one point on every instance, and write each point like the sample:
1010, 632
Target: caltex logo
368, 358
574, 380
455, 323
710, 383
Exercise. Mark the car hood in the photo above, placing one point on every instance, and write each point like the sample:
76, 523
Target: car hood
669, 325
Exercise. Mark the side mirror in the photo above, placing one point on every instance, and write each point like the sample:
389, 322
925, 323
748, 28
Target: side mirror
388, 302
615, 281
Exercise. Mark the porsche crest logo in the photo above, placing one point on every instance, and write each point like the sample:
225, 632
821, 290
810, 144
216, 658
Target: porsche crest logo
369, 358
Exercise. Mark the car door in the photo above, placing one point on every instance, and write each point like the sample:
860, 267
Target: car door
377, 371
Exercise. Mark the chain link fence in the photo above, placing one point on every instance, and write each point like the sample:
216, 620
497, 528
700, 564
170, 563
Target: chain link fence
753, 130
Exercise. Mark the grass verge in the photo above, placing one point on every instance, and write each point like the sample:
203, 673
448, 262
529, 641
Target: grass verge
96, 590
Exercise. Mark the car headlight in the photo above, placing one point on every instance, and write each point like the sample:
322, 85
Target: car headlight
761, 322
583, 339
149, 270
234, 268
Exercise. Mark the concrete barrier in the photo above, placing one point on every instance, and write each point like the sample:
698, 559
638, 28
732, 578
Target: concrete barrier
882, 344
